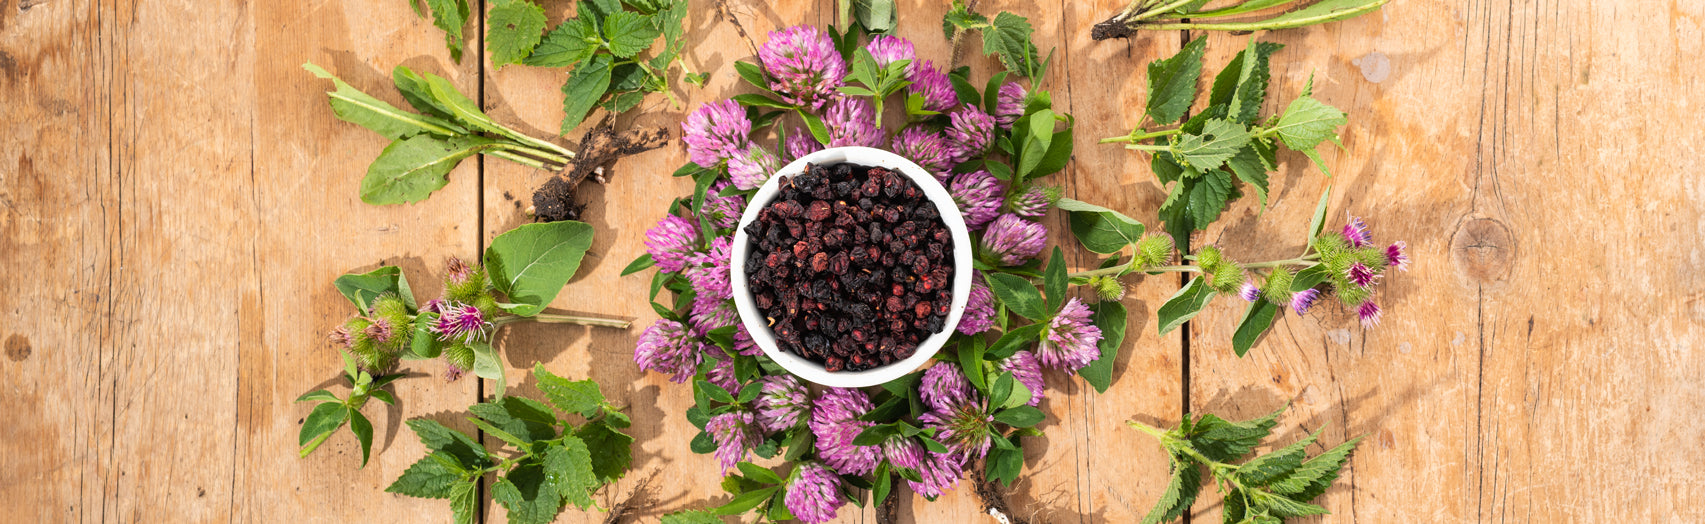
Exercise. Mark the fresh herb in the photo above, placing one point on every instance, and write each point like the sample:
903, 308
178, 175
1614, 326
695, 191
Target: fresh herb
1007, 36
1236, 15
425, 146
1211, 156
526, 267
601, 46
554, 463
1266, 488
876, 16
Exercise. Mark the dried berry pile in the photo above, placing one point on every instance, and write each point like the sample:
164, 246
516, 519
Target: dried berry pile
851, 266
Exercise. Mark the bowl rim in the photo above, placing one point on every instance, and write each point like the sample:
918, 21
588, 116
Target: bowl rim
962, 257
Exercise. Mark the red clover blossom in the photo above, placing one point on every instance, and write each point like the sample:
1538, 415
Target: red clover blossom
803, 65
734, 433
667, 347
782, 403
813, 494
834, 420
979, 313
1012, 241
671, 241
978, 194
1072, 338
715, 132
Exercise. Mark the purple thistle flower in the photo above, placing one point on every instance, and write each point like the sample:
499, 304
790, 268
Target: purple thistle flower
1249, 292
708, 272
939, 472
1395, 257
814, 493
979, 313
380, 331
734, 433
978, 194
1009, 104
671, 241
970, 133
743, 343
1072, 338
834, 420
1302, 300
804, 66
460, 322
456, 271
944, 386
1012, 241
928, 149
715, 132
752, 167
801, 143
1356, 233
453, 372
723, 210
435, 305
852, 122
1027, 370
667, 347
341, 336
1033, 202
1369, 313
783, 403
964, 429
1360, 274
889, 49
934, 85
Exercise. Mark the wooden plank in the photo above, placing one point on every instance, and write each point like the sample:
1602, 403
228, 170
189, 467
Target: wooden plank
305, 175
1511, 378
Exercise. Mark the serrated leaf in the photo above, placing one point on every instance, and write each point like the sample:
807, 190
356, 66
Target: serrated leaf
569, 466
1226, 441
1247, 165
450, 16
1279, 506
1109, 317
611, 450
1264, 469
463, 497
528, 419
960, 19
1184, 305
1242, 86
437, 437
629, 33
1019, 295
1316, 474
691, 517
1208, 197
1172, 82
1180, 492
1218, 141
528, 494
572, 41
1008, 37
585, 86
513, 29
1308, 122
1256, 320
581, 396
530, 264
411, 169
428, 478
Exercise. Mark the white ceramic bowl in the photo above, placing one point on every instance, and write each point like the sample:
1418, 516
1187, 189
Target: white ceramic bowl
812, 371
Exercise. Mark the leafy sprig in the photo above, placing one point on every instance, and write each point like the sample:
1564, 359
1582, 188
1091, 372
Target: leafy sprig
1006, 36
1208, 158
1265, 488
331, 413
1236, 15
555, 463
426, 146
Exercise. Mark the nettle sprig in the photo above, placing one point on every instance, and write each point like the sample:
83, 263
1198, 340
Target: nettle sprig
523, 271
1208, 158
1265, 488
553, 463
1232, 15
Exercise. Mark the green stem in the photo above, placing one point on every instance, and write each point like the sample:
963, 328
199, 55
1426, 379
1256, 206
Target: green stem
549, 318
512, 157
1145, 15
1264, 26
1304, 261
1148, 147
1134, 137
1230, 11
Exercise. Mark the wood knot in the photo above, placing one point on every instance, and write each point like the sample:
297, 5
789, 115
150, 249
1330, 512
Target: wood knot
17, 347
1483, 249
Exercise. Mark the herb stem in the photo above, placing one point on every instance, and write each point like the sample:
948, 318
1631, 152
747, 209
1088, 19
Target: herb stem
1145, 15
1304, 261
1148, 147
512, 157
1134, 137
1265, 26
549, 318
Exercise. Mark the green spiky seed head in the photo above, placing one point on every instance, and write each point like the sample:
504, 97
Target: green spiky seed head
464, 283
1209, 258
1154, 250
486, 304
390, 306
1350, 294
1228, 276
1108, 287
1278, 285
1373, 257
459, 355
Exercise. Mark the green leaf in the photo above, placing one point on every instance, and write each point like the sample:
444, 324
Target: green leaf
1008, 37
585, 86
1316, 474
1208, 197
1020, 416
436, 437
876, 16
450, 16
428, 478
1218, 141
1267, 468
691, 517
318, 394
1242, 85
363, 430
410, 169
463, 108
961, 18
572, 41
752, 74
1054, 280
1003, 465
971, 358
1224, 441
1110, 319
1322, 12
570, 467
425, 343
1016, 339
513, 29
528, 419
320, 423
760, 474
1059, 152
1256, 320
1099, 229
1307, 122
1318, 223
746, 501
1282, 507
463, 497
1310, 277
1180, 493
487, 365
1001, 389
528, 494
629, 33
1184, 305
702, 443
876, 435
1036, 142
1172, 82
418, 93
581, 397
611, 450
1247, 165
1019, 295
814, 123
757, 100
531, 263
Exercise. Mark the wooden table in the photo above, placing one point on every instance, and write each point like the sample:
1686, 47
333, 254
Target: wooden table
175, 199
